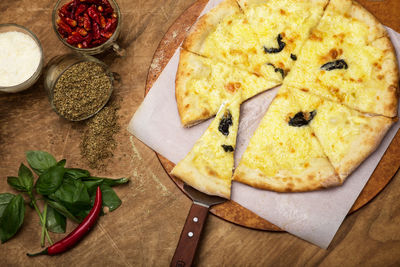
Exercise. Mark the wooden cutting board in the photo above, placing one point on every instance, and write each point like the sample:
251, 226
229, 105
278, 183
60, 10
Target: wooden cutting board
231, 211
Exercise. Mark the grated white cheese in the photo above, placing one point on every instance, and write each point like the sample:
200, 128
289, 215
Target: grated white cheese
19, 58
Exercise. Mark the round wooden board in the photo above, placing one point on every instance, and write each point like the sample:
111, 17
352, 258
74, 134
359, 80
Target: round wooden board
230, 210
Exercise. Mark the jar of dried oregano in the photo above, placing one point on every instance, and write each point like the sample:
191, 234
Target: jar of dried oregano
78, 85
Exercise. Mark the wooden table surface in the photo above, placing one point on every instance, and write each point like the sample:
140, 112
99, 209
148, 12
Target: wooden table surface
144, 231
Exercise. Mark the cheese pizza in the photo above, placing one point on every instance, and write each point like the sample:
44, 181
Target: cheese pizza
208, 166
284, 155
339, 93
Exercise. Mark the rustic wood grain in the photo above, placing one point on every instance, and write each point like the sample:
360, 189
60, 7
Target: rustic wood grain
145, 230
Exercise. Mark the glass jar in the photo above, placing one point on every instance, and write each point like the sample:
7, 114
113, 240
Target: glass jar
111, 42
35, 76
59, 65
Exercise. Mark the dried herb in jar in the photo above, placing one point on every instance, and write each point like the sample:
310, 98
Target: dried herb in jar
82, 90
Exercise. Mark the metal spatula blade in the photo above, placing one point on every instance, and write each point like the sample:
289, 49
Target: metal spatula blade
190, 236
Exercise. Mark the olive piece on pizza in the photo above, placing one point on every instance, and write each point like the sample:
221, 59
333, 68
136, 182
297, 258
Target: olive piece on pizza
225, 122
228, 148
302, 118
274, 50
334, 65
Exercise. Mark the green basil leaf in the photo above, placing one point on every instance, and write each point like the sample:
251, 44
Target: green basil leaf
12, 218
92, 185
49, 181
56, 222
5, 198
15, 183
110, 198
75, 173
62, 162
63, 210
108, 181
73, 195
25, 176
40, 161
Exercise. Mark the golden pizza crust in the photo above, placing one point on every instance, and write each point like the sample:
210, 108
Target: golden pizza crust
364, 145
387, 69
207, 24
319, 175
190, 110
375, 28
209, 184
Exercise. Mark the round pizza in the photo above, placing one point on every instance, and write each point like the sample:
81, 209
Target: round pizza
339, 87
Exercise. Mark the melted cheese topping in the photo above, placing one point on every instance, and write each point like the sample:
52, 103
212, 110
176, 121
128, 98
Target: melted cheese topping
208, 156
234, 42
340, 129
209, 83
276, 146
292, 19
361, 85
335, 125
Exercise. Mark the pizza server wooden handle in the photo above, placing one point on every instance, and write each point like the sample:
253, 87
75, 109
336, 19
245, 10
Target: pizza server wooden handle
190, 236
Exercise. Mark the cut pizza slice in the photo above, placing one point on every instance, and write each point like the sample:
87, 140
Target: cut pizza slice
347, 136
203, 84
349, 59
281, 27
225, 34
284, 155
208, 166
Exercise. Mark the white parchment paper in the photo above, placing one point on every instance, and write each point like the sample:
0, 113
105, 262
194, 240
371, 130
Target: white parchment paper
312, 216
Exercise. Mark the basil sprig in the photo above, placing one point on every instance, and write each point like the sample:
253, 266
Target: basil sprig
66, 193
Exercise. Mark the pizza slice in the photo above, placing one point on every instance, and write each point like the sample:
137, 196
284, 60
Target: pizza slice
281, 27
284, 155
208, 166
349, 59
347, 136
225, 34
203, 84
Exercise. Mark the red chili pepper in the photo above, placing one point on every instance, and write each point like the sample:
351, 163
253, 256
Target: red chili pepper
103, 21
108, 25
86, 22
66, 9
92, 12
96, 30
79, 232
64, 26
81, 8
107, 6
71, 22
106, 35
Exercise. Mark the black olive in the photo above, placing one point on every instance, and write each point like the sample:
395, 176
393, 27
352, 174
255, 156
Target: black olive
302, 118
225, 122
274, 50
281, 71
227, 148
293, 57
333, 65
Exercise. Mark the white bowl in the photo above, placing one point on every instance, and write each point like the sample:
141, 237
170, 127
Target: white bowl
35, 76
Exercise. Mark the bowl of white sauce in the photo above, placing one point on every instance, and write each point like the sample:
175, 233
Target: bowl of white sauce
21, 58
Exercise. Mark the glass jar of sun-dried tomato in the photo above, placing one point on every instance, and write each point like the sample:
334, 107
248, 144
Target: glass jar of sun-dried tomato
78, 22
